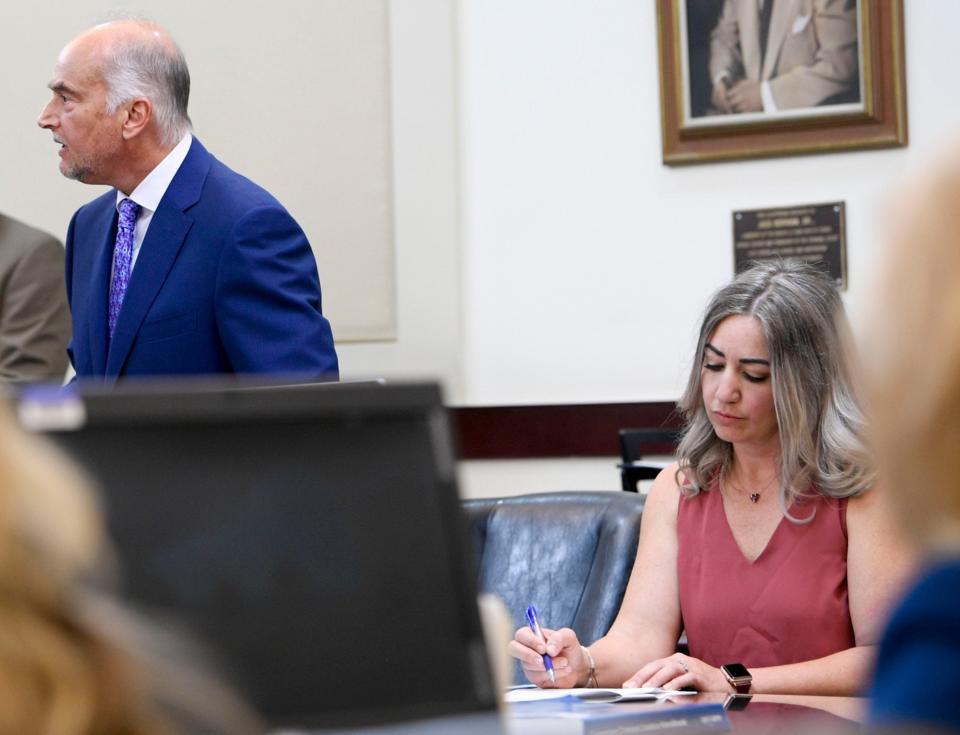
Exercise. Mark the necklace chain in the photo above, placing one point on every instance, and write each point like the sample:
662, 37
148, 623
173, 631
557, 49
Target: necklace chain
755, 495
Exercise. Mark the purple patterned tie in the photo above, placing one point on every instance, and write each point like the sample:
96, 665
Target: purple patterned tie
122, 260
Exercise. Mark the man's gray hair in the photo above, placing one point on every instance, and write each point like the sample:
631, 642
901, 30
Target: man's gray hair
819, 417
149, 68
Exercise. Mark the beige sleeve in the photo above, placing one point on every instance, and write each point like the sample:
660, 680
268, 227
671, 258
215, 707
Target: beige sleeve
726, 54
34, 316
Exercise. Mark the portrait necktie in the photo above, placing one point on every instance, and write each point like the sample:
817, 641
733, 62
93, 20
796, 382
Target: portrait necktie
765, 12
122, 260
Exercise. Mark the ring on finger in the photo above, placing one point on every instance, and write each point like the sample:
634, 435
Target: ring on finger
683, 665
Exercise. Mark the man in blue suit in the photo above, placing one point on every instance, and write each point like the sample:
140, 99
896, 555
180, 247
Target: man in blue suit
185, 267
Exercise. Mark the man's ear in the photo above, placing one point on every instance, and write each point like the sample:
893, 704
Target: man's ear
139, 114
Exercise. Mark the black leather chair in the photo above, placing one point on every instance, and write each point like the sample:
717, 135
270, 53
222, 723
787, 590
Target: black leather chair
568, 553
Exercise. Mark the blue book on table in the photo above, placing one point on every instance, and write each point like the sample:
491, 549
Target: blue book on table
571, 716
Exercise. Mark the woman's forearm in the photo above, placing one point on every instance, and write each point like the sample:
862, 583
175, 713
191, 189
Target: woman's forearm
845, 673
619, 656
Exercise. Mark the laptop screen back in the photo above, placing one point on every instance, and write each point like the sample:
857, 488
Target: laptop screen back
311, 536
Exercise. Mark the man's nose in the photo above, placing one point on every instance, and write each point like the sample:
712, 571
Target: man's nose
46, 118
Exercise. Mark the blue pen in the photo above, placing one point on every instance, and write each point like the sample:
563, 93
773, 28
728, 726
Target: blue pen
535, 627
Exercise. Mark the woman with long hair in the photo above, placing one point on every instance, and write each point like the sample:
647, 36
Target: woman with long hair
763, 542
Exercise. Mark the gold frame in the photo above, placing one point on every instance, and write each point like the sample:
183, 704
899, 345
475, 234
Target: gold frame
882, 123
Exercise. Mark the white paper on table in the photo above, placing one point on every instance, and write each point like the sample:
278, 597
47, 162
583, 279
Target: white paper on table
593, 695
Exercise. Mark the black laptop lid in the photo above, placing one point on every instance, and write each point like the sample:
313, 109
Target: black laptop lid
311, 535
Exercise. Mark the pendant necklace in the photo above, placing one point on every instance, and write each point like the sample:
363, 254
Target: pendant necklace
754, 496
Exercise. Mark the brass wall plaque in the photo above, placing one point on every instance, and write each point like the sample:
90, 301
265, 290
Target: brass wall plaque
813, 232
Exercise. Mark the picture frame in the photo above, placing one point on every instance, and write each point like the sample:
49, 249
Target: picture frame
863, 105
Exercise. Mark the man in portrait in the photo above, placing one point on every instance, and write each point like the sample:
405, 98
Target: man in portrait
772, 55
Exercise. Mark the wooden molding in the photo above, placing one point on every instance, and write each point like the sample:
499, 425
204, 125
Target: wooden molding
578, 430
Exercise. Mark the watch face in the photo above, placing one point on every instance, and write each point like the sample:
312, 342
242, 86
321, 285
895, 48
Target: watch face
736, 671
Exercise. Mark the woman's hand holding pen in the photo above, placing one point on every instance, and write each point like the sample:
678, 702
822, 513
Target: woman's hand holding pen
570, 666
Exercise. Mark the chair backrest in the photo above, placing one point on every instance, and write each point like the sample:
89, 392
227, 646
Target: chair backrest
633, 442
569, 553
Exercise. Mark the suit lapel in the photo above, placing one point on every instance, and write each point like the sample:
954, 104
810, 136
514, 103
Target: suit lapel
749, 22
165, 237
99, 295
784, 13
168, 230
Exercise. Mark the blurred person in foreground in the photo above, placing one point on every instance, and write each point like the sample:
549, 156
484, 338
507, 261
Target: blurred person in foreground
765, 542
914, 350
72, 661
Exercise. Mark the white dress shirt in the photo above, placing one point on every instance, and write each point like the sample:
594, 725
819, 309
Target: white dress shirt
151, 190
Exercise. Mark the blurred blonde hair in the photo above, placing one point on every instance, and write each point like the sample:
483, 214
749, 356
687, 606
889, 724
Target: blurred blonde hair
58, 676
913, 350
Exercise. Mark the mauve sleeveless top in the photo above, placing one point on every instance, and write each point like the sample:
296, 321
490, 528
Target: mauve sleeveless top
788, 605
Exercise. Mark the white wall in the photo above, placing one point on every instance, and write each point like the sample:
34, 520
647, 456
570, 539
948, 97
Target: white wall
586, 261
423, 39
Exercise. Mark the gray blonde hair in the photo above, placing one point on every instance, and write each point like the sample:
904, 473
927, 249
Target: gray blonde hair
819, 417
151, 69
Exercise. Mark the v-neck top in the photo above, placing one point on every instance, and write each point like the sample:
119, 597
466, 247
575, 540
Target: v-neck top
788, 605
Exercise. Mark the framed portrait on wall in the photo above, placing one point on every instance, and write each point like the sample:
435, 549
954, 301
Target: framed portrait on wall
751, 78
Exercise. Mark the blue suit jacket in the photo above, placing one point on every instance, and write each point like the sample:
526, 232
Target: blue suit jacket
917, 677
225, 282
